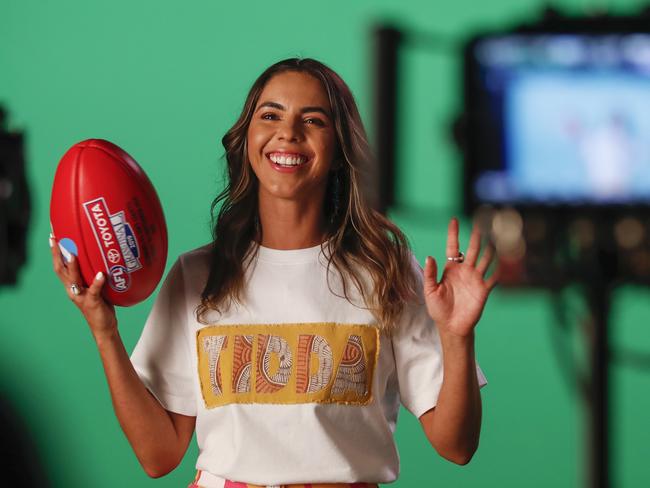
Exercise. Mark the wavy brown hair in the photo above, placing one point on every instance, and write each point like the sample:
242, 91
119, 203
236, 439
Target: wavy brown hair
368, 250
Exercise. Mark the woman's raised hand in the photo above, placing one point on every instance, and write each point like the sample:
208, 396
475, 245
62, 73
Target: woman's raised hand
456, 302
99, 314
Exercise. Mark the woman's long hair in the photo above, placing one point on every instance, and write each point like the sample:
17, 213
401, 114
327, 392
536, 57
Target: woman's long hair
358, 238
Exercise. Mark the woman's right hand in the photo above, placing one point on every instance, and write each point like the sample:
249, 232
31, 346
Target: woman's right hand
99, 314
159, 438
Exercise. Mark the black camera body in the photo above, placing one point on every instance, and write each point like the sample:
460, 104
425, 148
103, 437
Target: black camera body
15, 206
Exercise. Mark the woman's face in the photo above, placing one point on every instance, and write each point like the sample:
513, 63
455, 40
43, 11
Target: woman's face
291, 138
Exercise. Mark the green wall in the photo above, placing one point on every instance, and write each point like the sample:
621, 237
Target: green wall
165, 80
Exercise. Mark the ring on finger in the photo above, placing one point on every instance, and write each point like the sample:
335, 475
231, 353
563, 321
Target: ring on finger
74, 288
457, 259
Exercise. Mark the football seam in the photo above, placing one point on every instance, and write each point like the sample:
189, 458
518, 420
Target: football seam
149, 192
78, 214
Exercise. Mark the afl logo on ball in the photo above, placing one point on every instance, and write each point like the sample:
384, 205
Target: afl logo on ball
120, 279
116, 241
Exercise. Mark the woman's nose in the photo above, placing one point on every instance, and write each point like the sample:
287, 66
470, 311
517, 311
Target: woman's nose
289, 130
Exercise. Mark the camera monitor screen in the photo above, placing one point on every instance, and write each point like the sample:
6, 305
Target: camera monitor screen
559, 119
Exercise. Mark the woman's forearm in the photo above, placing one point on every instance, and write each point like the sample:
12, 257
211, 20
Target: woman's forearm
147, 425
453, 426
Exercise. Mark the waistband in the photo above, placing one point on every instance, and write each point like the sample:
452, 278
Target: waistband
204, 479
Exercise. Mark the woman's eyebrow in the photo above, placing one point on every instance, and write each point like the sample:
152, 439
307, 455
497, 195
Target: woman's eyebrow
315, 109
271, 105
303, 110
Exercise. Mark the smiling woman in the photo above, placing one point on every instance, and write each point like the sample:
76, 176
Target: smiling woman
302, 107
291, 144
290, 341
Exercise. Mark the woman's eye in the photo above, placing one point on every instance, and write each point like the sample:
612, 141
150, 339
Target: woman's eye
314, 121
269, 116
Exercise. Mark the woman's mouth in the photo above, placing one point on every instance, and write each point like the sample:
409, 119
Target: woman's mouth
287, 160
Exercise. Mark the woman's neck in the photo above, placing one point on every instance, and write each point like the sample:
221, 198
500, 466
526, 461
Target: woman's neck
287, 224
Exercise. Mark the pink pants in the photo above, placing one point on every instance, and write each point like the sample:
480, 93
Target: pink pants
236, 484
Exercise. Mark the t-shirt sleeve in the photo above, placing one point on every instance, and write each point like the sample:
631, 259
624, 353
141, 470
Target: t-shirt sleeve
162, 355
418, 356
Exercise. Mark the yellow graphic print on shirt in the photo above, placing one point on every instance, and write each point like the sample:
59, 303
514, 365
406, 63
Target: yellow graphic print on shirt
287, 363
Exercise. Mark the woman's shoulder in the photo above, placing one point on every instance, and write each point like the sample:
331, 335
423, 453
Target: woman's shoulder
195, 261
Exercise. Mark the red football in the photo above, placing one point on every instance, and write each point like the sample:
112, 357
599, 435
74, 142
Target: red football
105, 211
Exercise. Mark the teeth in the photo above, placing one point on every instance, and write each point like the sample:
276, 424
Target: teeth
287, 160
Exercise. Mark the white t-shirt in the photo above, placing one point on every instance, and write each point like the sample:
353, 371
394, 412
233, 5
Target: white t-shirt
296, 385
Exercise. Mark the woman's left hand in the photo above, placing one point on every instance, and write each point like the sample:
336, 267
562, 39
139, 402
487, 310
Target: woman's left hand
456, 302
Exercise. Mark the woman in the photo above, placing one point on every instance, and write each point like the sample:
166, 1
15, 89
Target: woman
289, 342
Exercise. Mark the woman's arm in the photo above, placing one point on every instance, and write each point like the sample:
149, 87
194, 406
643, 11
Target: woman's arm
456, 303
159, 438
453, 426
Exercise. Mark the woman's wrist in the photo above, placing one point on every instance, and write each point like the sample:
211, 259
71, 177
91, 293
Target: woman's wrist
451, 340
459, 356
106, 337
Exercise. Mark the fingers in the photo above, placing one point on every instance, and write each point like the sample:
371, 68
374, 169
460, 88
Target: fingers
57, 258
430, 275
492, 281
484, 264
74, 274
486, 259
473, 252
452, 238
95, 288
66, 270
74, 292
474, 246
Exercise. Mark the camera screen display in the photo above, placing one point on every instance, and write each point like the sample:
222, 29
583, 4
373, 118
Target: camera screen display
561, 119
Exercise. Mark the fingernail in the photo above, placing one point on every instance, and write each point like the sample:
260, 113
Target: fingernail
51, 242
99, 276
427, 260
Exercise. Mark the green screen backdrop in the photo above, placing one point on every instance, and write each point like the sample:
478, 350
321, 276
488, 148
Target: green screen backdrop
165, 80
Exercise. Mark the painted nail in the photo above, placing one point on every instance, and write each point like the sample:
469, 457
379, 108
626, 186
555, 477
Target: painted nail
99, 276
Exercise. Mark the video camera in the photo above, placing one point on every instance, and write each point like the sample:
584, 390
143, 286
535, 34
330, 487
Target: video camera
15, 208
556, 143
